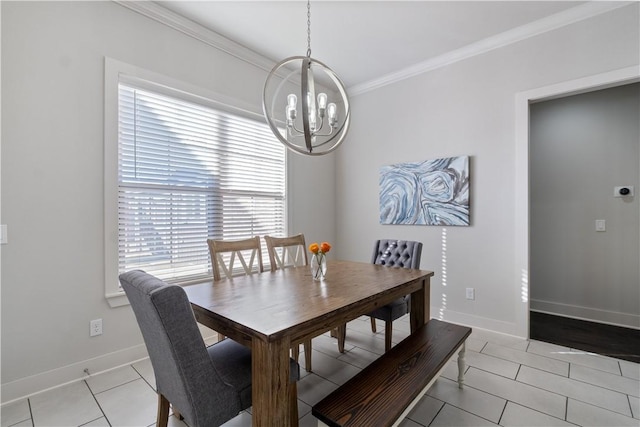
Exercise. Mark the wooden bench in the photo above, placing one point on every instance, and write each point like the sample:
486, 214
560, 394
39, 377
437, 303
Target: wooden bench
384, 392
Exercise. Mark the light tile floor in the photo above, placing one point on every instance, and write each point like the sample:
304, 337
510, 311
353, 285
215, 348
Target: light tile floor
508, 382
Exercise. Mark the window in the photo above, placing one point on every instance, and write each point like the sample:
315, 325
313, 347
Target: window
186, 172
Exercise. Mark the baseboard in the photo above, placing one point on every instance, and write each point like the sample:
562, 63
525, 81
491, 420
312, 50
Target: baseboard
28, 386
586, 313
506, 328
25, 387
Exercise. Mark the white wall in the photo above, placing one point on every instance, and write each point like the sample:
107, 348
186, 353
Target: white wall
52, 178
468, 108
581, 147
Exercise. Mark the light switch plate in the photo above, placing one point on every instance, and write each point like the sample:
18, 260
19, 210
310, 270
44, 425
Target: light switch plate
470, 293
601, 225
3, 234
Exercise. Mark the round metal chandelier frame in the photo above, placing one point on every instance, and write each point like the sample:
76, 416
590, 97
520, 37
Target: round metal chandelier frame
315, 143
313, 139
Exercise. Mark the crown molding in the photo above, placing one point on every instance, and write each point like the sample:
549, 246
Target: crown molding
171, 19
558, 20
575, 14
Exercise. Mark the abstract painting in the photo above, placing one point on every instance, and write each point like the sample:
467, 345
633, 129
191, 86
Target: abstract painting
432, 192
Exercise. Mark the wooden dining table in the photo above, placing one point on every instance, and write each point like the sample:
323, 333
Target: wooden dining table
270, 311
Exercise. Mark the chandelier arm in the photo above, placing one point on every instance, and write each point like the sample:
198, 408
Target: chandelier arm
298, 131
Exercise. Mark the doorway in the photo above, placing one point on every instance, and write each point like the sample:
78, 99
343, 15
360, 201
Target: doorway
584, 234
521, 272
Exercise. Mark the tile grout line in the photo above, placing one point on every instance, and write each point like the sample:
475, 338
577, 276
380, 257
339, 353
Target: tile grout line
502, 398
97, 403
575, 398
439, 410
143, 378
30, 412
504, 408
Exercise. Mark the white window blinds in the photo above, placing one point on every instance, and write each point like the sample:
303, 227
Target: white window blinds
187, 172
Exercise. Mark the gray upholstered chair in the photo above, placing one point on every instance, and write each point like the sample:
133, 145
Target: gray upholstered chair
394, 253
391, 253
206, 386
287, 252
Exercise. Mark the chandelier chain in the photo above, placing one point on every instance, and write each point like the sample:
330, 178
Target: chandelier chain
309, 28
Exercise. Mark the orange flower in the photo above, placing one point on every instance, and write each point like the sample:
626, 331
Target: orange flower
321, 248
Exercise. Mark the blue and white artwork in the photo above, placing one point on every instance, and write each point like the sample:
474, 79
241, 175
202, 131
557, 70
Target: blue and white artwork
433, 192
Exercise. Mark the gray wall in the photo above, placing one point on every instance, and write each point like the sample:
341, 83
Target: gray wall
468, 108
52, 178
581, 148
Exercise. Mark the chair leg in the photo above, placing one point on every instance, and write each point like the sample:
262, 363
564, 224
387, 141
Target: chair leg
293, 403
177, 413
307, 355
163, 411
373, 325
295, 352
388, 327
342, 335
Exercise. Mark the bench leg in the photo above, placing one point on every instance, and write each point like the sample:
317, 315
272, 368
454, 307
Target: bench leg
461, 366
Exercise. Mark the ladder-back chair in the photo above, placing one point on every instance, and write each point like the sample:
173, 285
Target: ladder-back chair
287, 252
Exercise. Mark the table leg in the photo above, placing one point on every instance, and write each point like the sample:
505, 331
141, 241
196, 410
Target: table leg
270, 384
420, 305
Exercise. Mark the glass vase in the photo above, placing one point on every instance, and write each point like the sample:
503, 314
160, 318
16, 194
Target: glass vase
318, 266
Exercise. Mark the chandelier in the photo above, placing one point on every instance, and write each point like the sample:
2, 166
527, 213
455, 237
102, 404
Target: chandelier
305, 103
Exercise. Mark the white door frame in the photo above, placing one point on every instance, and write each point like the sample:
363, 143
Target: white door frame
523, 100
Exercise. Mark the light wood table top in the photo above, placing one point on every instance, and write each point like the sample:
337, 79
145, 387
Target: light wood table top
270, 311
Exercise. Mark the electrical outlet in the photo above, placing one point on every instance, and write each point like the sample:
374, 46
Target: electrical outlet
95, 327
471, 293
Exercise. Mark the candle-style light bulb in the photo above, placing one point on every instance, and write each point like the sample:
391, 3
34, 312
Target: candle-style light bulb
322, 104
312, 119
292, 100
333, 114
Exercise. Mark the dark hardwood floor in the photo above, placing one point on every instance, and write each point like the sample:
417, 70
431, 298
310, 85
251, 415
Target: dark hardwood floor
608, 340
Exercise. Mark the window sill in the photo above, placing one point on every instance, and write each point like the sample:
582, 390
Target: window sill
117, 299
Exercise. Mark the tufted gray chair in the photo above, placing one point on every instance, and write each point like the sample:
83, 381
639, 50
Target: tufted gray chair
207, 385
394, 253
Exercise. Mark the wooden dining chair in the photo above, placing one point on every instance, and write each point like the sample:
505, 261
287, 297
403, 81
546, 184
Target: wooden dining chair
285, 252
225, 253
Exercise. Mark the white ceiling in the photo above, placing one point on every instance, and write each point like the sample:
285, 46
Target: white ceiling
366, 40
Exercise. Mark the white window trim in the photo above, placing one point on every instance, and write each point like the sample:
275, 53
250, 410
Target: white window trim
115, 72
